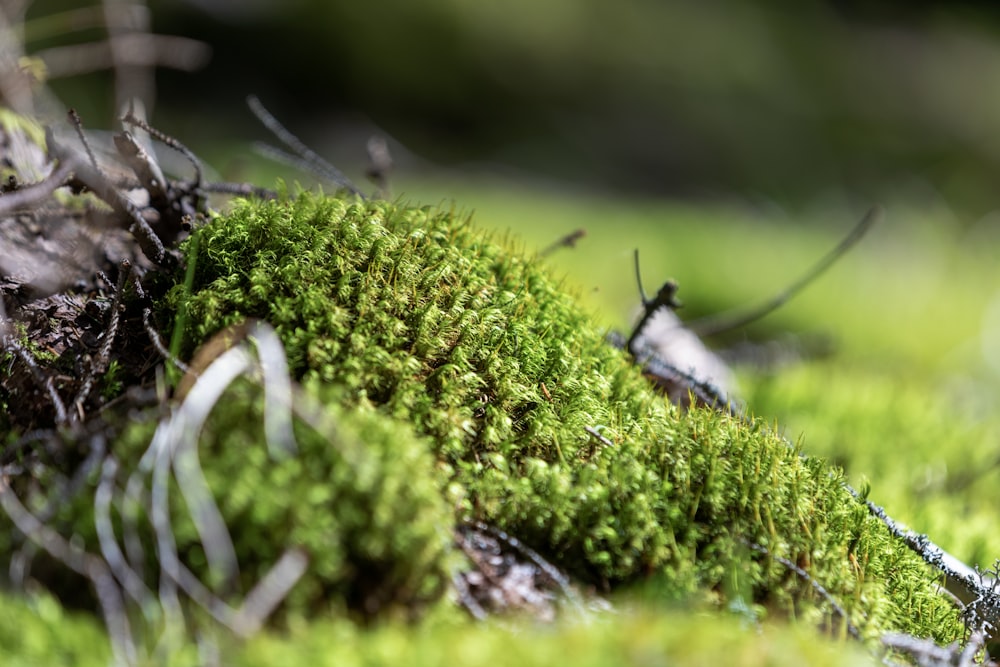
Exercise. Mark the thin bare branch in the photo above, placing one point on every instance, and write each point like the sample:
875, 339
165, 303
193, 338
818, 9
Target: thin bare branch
715, 324
77, 123
100, 364
568, 241
594, 433
131, 119
143, 50
309, 156
550, 570
47, 382
154, 335
27, 197
149, 242
244, 189
852, 630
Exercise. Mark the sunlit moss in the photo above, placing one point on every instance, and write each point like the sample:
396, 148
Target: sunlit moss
359, 496
634, 637
36, 630
416, 314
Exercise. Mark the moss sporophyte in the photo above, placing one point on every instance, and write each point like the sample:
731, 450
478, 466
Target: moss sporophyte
465, 384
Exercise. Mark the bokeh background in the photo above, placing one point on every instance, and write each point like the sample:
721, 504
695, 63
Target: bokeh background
768, 101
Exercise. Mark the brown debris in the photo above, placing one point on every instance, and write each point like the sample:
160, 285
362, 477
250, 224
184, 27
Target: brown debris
505, 576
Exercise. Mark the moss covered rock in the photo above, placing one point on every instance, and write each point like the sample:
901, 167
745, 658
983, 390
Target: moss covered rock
413, 315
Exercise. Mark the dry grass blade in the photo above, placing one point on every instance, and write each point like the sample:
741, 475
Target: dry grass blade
277, 390
175, 444
270, 591
130, 581
174, 448
87, 565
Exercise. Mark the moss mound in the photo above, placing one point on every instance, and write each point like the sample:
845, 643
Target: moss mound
37, 630
417, 316
359, 497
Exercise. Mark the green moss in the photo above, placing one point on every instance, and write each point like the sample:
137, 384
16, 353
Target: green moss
360, 497
866, 417
36, 630
634, 637
417, 315
39, 354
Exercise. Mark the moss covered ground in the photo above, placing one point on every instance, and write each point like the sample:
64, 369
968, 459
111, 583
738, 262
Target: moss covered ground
473, 374
896, 375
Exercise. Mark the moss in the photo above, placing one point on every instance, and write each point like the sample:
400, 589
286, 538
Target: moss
36, 630
360, 498
415, 314
867, 416
38, 353
634, 637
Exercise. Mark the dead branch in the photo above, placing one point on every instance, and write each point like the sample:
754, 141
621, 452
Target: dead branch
134, 49
309, 158
27, 197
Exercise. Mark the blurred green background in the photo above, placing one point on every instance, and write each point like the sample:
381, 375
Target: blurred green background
732, 142
769, 101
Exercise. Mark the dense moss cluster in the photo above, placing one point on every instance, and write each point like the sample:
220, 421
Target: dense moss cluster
359, 497
415, 316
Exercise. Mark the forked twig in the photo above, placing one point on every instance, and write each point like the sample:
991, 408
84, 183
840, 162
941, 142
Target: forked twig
131, 119
77, 123
666, 297
309, 157
93, 179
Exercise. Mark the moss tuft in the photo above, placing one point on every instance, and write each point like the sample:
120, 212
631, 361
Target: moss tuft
36, 630
360, 497
420, 317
